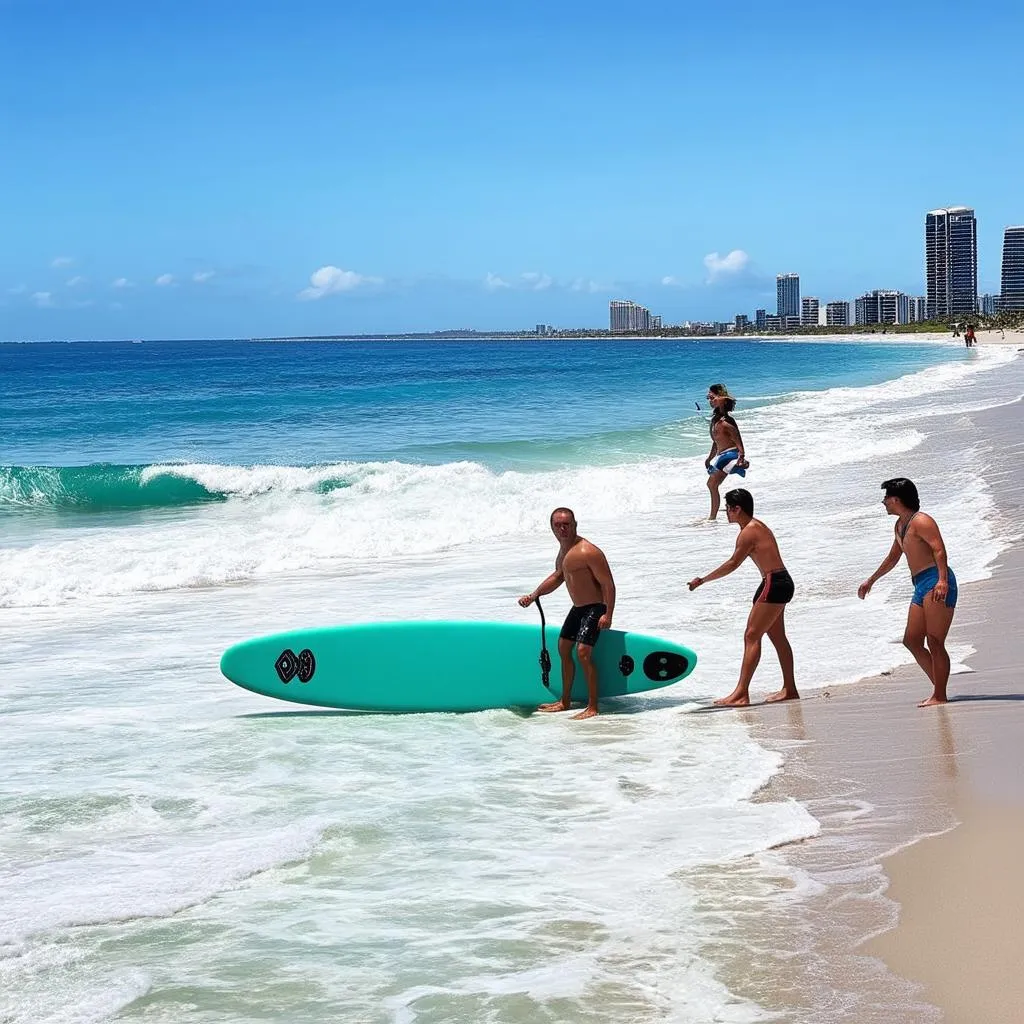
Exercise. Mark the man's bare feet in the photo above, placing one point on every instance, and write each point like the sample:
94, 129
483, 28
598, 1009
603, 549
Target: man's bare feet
783, 694
585, 713
733, 701
556, 706
932, 701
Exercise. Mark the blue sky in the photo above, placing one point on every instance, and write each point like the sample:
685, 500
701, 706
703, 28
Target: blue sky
210, 169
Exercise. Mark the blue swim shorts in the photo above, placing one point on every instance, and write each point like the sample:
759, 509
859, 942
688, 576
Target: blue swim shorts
727, 462
924, 583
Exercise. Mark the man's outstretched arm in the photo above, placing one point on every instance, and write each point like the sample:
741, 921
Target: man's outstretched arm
887, 566
744, 546
548, 586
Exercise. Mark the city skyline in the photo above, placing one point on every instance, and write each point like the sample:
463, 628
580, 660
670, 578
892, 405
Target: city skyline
181, 189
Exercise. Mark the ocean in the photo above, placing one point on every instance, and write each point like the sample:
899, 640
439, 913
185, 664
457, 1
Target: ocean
173, 847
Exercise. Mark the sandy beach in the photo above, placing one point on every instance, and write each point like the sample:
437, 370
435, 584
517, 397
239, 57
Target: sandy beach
880, 774
1012, 337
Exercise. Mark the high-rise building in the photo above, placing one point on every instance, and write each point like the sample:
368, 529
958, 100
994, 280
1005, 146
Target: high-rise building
837, 314
918, 309
742, 322
760, 319
951, 262
988, 305
882, 307
787, 288
628, 316
809, 312
1012, 292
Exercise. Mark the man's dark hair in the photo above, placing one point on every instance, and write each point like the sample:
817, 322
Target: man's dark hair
741, 499
904, 489
551, 521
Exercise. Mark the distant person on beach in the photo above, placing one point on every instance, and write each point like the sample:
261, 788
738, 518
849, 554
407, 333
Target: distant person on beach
969, 338
768, 614
726, 455
917, 536
583, 568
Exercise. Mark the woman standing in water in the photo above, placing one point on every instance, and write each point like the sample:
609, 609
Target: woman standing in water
726, 455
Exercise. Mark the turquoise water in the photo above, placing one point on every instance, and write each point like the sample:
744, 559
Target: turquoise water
100, 413
174, 848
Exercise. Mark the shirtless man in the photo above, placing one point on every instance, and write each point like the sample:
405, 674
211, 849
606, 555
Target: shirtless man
726, 455
584, 570
917, 536
757, 542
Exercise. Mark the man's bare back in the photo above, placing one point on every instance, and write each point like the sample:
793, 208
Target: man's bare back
763, 548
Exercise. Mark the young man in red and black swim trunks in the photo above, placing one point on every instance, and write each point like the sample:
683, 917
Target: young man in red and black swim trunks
582, 567
768, 614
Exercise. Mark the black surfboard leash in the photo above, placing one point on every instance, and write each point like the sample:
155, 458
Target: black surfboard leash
545, 658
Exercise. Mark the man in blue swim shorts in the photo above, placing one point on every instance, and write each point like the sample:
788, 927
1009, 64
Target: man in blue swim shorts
931, 608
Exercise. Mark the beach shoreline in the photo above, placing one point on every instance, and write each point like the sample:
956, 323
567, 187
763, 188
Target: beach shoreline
922, 811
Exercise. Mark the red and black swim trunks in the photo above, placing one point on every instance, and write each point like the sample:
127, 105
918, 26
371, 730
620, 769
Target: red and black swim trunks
776, 588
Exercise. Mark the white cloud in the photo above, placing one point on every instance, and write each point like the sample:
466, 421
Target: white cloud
728, 266
18, 289
582, 284
200, 276
74, 282
44, 300
538, 282
671, 282
333, 280
62, 261
494, 283
122, 282
164, 280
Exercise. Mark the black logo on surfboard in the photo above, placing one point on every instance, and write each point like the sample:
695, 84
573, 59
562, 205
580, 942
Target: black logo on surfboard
289, 665
664, 665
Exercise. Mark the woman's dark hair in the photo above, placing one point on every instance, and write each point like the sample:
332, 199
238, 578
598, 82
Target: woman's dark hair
742, 499
904, 489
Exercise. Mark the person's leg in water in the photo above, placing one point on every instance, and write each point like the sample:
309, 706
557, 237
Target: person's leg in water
568, 675
714, 482
937, 620
777, 635
586, 655
761, 619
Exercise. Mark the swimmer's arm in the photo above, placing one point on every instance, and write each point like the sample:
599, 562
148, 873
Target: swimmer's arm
887, 566
928, 531
548, 586
744, 546
603, 574
739, 443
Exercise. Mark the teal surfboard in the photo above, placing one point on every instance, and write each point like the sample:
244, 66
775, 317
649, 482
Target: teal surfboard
441, 666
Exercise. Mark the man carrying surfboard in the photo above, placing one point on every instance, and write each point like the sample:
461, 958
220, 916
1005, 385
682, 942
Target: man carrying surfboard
583, 568
768, 614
